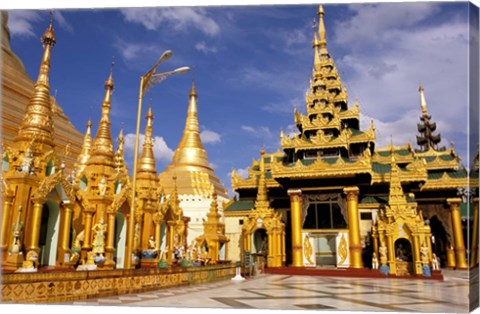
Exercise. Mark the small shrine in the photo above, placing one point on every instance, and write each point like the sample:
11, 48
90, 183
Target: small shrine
402, 240
213, 238
264, 231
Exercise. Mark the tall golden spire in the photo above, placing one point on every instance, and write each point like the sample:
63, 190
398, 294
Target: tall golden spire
262, 196
38, 119
423, 101
102, 150
120, 153
147, 158
396, 195
86, 148
190, 161
316, 58
190, 151
322, 32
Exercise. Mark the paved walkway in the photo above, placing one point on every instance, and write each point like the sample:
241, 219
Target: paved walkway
313, 293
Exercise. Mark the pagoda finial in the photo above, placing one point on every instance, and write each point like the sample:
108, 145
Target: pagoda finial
38, 118
262, 196
146, 162
86, 148
102, 150
190, 150
120, 153
423, 102
322, 31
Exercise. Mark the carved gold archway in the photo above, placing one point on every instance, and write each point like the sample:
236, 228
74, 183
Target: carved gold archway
271, 221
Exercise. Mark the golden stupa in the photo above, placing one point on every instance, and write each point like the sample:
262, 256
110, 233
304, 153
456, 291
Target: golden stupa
190, 163
17, 89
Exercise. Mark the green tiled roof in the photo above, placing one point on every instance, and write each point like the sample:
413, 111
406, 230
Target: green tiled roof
446, 157
454, 174
403, 152
430, 158
356, 132
383, 154
240, 206
381, 168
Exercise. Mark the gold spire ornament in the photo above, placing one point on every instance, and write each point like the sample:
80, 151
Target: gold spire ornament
102, 149
86, 149
423, 102
322, 32
190, 161
147, 159
38, 119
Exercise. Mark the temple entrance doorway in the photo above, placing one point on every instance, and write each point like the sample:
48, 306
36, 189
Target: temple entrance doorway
325, 248
120, 240
260, 248
439, 239
403, 257
49, 230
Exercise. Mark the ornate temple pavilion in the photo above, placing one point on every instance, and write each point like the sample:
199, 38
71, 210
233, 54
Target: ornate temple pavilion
344, 202
67, 197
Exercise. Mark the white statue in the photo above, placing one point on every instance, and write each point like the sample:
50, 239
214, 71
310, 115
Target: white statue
374, 261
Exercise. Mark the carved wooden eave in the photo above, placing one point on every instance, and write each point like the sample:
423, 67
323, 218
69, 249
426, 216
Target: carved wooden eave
351, 113
321, 141
416, 172
49, 184
321, 169
237, 213
125, 195
445, 183
434, 160
251, 182
399, 158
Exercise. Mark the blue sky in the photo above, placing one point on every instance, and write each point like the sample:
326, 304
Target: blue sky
252, 65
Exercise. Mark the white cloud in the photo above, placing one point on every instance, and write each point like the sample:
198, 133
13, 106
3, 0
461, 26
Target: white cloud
20, 22
180, 19
372, 22
206, 49
160, 148
286, 106
242, 172
62, 22
260, 131
210, 137
129, 51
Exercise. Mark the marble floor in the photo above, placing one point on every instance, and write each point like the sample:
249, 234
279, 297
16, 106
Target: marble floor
284, 292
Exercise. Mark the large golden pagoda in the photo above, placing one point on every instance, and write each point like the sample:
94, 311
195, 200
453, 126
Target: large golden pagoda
195, 178
190, 163
331, 184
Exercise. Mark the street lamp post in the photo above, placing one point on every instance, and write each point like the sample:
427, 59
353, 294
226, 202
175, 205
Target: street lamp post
146, 82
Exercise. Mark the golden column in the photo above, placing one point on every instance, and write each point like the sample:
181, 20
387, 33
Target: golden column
355, 245
7, 208
34, 227
157, 220
109, 247
416, 254
457, 233
474, 245
65, 233
450, 257
296, 218
170, 239
87, 243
